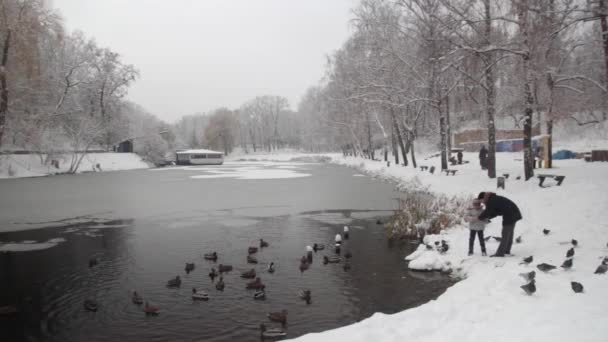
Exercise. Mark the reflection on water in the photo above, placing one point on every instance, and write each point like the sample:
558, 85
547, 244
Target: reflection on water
49, 286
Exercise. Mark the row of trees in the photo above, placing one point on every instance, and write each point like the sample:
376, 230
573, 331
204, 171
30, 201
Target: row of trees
62, 92
416, 69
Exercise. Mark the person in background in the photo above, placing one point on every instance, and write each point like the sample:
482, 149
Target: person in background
459, 156
501, 206
483, 156
476, 226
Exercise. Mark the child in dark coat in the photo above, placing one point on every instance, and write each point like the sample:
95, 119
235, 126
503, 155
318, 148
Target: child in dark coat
476, 226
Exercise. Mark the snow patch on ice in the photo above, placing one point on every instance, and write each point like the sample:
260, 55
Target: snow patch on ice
29, 245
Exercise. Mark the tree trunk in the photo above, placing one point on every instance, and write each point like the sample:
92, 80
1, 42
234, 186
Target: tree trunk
443, 140
413, 154
370, 148
394, 145
3, 84
448, 129
490, 94
550, 144
528, 99
604, 26
399, 137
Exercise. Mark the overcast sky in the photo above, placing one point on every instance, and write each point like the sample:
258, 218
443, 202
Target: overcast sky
197, 55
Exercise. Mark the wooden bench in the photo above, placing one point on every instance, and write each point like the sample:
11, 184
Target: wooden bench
432, 170
448, 171
423, 167
558, 178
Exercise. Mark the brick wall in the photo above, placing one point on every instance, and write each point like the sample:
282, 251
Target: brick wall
481, 135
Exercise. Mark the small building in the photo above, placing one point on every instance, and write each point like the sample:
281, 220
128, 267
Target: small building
124, 146
199, 157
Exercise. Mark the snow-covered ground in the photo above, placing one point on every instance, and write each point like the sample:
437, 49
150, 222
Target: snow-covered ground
489, 305
28, 165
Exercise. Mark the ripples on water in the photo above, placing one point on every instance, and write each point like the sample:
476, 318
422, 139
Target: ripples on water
49, 286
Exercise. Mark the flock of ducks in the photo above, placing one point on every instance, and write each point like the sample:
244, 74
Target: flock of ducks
255, 282
530, 277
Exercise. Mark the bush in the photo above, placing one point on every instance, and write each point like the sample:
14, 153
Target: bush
422, 212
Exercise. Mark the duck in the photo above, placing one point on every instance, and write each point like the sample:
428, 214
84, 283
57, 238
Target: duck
318, 247
90, 305
211, 256
151, 310
248, 274
280, 317
305, 295
346, 266
348, 255
136, 298
271, 267
545, 267
303, 259
304, 266
252, 250
93, 262
338, 238
220, 284
259, 295
176, 282
256, 284
224, 268
271, 333
263, 243
199, 295
213, 274
345, 232
252, 259
332, 259
189, 267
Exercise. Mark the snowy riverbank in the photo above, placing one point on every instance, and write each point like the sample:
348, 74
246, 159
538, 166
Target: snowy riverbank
29, 165
489, 304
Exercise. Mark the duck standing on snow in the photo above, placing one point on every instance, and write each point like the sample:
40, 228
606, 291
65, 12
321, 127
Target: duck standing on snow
576, 287
545, 267
530, 287
136, 298
527, 260
567, 264
601, 269
273, 333
345, 232
528, 275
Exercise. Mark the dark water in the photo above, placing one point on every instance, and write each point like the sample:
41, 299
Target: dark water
174, 219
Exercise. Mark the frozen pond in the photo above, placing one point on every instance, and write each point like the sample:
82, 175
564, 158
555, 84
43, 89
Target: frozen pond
143, 226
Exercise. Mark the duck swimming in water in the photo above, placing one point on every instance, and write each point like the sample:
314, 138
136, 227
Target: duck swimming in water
252, 250
252, 259
211, 256
256, 284
263, 243
199, 295
248, 274
224, 268
213, 274
273, 333
304, 266
318, 247
151, 310
220, 284
189, 267
93, 262
331, 260
280, 317
259, 295
271, 267
136, 298
90, 305
305, 295
176, 282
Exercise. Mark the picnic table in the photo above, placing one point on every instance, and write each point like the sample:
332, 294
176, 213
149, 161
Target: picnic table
558, 178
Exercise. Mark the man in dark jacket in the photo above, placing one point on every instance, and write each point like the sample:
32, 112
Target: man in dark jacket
483, 156
501, 206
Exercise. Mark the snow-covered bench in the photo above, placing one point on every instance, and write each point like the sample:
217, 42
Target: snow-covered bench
558, 178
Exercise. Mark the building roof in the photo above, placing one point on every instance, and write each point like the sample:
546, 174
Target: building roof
197, 151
